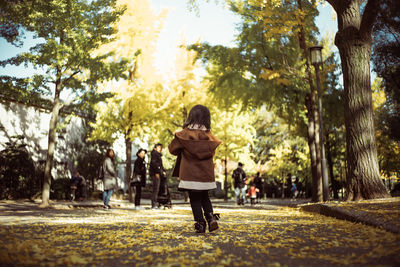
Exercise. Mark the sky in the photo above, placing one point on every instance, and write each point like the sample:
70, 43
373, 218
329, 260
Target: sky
213, 24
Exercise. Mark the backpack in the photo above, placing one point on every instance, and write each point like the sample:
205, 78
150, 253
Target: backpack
237, 176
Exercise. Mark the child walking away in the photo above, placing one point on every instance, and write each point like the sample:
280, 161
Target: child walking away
253, 193
195, 147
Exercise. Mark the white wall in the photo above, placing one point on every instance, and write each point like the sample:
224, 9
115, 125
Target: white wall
33, 124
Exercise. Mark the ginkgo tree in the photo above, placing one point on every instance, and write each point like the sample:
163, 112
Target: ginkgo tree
232, 123
138, 96
270, 66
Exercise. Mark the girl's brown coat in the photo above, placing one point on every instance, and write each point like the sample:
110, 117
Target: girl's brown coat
195, 150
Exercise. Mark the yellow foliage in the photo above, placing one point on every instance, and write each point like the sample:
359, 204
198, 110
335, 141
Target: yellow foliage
267, 74
247, 237
378, 93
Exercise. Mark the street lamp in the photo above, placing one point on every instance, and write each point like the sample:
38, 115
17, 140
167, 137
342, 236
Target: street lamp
316, 60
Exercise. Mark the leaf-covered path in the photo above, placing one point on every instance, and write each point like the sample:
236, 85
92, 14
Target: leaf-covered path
247, 237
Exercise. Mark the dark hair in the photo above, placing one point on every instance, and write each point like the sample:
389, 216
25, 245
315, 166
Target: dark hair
199, 114
240, 164
108, 153
158, 144
140, 150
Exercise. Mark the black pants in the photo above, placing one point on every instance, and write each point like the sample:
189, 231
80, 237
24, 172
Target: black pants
138, 194
156, 188
200, 202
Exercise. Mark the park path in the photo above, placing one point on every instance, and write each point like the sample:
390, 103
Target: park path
279, 236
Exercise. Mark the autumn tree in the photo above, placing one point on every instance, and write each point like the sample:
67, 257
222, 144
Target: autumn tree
136, 98
231, 122
354, 39
68, 32
270, 65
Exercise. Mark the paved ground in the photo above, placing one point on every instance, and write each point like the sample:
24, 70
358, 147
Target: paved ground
268, 234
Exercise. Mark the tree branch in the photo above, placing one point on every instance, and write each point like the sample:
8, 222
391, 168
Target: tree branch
334, 3
368, 19
70, 77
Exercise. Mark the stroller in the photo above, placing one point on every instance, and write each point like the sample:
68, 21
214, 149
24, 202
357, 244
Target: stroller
164, 198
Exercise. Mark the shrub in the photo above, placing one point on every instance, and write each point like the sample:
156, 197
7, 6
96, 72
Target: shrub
17, 171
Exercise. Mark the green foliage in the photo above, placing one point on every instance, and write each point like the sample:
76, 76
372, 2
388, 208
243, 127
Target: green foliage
388, 148
60, 189
267, 69
386, 61
68, 33
12, 12
17, 171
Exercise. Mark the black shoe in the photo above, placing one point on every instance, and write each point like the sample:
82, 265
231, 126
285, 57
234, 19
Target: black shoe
212, 221
200, 227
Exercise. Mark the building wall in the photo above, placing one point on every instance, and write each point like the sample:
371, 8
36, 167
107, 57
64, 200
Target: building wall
33, 124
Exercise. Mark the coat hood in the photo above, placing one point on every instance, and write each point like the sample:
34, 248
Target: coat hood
201, 144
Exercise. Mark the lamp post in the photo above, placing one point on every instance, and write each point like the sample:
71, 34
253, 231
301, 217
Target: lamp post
316, 61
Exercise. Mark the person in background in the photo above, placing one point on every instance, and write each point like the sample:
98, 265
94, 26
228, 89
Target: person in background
294, 187
239, 177
110, 177
156, 172
195, 147
259, 185
139, 169
78, 187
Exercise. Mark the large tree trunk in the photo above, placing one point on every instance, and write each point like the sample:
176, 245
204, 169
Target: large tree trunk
51, 146
354, 42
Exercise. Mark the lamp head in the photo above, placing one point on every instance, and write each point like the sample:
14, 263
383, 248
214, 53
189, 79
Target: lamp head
316, 55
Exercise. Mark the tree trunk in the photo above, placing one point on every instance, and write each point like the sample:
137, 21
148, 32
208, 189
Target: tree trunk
128, 168
312, 115
51, 146
312, 147
354, 43
335, 186
226, 180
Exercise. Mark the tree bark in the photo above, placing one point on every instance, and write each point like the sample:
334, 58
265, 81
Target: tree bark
312, 116
51, 146
353, 40
334, 183
226, 180
316, 180
128, 168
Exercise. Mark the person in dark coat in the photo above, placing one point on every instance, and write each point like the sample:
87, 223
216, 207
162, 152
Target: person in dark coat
156, 171
239, 178
140, 170
195, 147
110, 177
259, 185
77, 183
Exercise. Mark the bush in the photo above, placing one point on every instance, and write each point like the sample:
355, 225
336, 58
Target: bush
17, 171
60, 188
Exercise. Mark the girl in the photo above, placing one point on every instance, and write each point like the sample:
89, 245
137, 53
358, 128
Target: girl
195, 147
